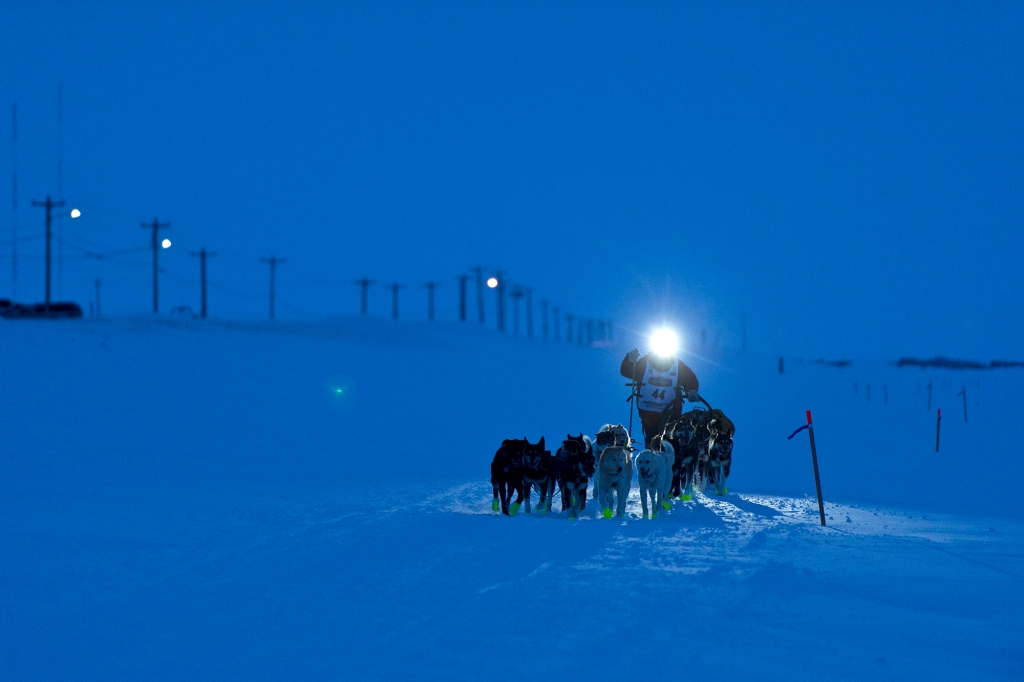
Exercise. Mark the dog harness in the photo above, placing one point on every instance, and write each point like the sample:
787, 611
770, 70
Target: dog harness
658, 389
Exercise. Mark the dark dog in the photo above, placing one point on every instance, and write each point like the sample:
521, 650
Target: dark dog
575, 464
539, 471
720, 450
691, 437
507, 475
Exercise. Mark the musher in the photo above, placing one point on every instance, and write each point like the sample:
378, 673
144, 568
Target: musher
663, 382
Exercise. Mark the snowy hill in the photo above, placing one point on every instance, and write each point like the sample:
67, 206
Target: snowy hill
182, 500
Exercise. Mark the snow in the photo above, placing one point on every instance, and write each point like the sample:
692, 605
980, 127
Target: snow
182, 500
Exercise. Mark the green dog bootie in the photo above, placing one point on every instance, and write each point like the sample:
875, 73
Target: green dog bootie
666, 506
686, 498
513, 510
607, 513
645, 515
494, 505
725, 491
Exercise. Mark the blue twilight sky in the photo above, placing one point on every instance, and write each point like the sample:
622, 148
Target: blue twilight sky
849, 175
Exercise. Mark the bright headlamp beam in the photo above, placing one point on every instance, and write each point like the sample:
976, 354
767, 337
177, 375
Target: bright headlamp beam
664, 342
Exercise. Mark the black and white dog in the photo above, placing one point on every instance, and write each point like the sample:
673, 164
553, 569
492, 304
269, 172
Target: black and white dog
575, 465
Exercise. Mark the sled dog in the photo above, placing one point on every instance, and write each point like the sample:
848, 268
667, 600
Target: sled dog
507, 476
607, 436
538, 472
654, 474
720, 450
574, 463
614, 479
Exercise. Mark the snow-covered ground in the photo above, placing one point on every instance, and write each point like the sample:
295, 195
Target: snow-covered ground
199, 501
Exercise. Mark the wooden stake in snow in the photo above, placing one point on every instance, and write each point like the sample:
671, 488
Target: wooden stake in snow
938, 424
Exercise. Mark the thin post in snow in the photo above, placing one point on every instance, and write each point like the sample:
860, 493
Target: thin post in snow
938, 425
814, 460
964, 394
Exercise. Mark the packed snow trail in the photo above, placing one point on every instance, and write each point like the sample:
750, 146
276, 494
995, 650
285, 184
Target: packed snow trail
427, 583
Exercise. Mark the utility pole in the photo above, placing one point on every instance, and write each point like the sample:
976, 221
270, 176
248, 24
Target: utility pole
544, 318
364, 284
480, 292
273, 262
395, 288
500, 291
14, 200
98, 283
60, 174
430, 298
529, 312
49, 205
203, 253
556, 317
156, 226
462, 297
516, 294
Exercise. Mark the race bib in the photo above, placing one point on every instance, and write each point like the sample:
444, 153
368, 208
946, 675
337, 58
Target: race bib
658, 389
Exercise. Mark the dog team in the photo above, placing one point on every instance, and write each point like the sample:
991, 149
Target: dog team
689, 452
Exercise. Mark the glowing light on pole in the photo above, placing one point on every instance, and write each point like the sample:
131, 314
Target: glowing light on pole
166, 243
492, 282
664, 342
75, 213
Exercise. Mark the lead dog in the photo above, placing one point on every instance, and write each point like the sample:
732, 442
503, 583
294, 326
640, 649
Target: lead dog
614, 479
654, 474
607, 436
575, 464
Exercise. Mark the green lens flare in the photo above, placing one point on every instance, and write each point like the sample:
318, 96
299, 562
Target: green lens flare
339, 391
